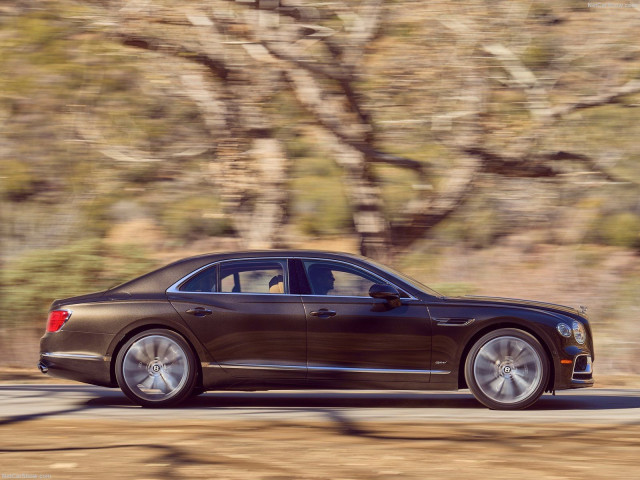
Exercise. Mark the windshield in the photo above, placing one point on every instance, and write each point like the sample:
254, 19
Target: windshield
406, 278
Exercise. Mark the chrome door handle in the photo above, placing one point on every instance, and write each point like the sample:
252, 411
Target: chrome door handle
323, 312
199, 311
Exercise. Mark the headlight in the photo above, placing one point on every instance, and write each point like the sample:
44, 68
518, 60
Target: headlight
579, 332
564, 330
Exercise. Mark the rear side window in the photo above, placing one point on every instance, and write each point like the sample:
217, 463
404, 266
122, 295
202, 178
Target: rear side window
253, 276
205, 281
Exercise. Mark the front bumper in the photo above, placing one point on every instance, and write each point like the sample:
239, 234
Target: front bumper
574, 369
582, 371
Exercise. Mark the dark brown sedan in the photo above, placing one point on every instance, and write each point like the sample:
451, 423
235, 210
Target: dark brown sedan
310, 319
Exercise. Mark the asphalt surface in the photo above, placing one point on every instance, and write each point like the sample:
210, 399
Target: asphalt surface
19, 403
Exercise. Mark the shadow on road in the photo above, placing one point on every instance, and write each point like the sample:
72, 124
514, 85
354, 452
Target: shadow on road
321, 399
304, 400
586, 402
84, 398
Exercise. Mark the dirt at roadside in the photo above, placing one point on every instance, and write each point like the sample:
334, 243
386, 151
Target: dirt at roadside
286, 450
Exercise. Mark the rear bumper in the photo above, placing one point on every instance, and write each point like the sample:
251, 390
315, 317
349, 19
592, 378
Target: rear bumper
77, 366
76, 356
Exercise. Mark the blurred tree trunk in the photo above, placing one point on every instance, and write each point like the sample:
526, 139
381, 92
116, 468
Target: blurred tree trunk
250, 166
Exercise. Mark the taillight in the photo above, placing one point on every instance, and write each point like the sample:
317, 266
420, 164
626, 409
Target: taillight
56, 320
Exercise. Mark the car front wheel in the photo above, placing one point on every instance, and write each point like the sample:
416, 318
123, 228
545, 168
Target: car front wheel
507, 369
156, 368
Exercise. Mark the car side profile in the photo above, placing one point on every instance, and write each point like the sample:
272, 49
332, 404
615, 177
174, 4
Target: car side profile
262, 320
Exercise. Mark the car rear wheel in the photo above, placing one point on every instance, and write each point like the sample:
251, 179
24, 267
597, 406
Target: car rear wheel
156, 368
507, 369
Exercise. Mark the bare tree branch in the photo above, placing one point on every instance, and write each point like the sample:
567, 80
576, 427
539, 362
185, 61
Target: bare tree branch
89, 132
612, 96
424, 214
171, 48
213, 109
326, 111
291, 54
538, 102
510, 167
585, 160
362, 29
376, 156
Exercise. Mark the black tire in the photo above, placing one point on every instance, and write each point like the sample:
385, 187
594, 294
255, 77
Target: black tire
156, 368
507, 369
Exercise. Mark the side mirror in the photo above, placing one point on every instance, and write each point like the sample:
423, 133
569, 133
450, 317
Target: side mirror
385, 292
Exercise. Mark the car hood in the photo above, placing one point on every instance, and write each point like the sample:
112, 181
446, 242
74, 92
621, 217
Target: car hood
516, 302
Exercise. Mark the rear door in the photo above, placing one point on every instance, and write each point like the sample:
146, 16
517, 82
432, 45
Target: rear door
243, 313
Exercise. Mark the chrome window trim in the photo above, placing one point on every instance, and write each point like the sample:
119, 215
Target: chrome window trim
357, 267
75, 356
348, 296
320, 368
175, 288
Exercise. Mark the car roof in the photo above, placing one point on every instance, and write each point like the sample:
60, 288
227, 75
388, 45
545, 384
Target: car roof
162, 278
273, 253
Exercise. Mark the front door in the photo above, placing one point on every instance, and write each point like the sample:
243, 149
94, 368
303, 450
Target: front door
355, 338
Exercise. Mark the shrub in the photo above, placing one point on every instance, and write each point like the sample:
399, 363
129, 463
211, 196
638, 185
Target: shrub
195, 217
31, 282
320, 207
620, 230
19, 182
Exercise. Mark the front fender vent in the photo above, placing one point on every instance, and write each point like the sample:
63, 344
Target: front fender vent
454, 322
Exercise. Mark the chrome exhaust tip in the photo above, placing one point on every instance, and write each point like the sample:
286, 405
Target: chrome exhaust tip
42, 367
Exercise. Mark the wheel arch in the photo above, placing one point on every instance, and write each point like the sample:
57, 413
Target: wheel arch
507, 323
124, 337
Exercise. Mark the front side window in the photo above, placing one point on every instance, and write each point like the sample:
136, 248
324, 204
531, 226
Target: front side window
333, 278
253, 276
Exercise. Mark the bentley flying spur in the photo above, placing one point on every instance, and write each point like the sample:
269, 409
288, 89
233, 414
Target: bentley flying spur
266, 320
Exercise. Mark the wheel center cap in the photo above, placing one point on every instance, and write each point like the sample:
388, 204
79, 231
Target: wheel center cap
507, 369
155, 368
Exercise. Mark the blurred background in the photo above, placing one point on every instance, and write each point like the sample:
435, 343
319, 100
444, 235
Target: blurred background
483, 147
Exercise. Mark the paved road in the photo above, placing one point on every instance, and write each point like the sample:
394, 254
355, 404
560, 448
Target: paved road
20, 403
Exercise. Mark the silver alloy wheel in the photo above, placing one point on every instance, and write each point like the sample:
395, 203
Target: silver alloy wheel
155, 368
508, 369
